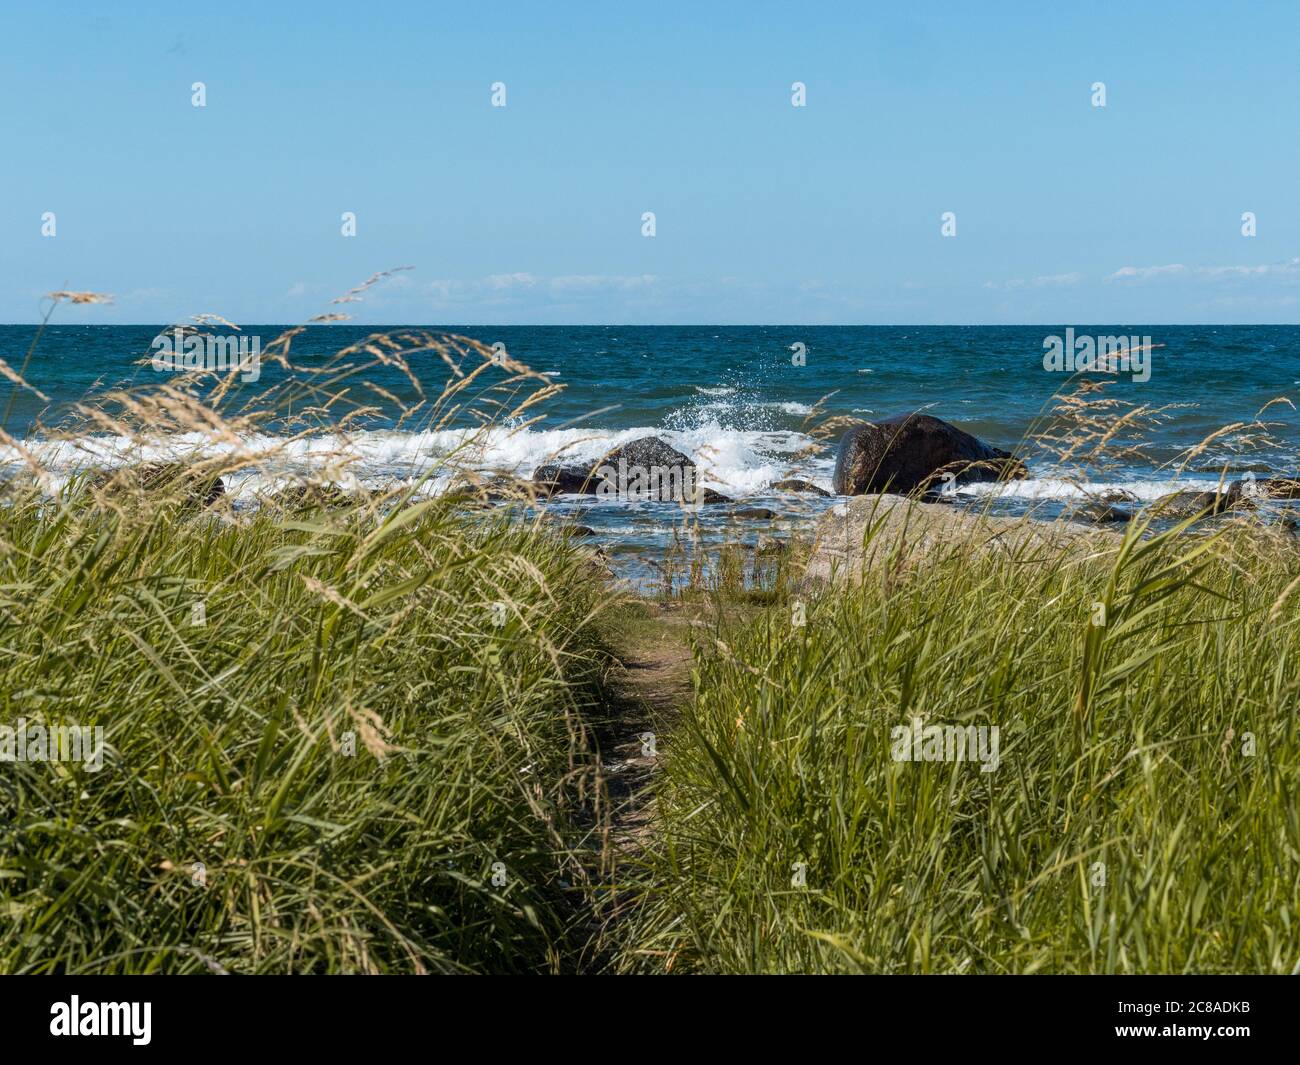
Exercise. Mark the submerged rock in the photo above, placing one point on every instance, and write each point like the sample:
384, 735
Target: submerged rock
312, 496
193, 488
1240, 467
1272, 488
1100, 513
908, 452
554, 479
771, 545
598, 564
505, 487
794, 484
1189, 504
563, 524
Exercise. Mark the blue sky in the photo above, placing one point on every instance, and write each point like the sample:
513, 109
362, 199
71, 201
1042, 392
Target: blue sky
765, 213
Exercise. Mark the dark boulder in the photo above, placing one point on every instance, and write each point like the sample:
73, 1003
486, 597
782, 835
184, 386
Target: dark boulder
1188, 504
646, 467
1100, 513
1234, 467
793, 484
753, 512
505, 487
1271, 488
477, 490
162, 482
596, 562
912, 452
554, 479
565, 524
647, 451
1099, 508
311, 496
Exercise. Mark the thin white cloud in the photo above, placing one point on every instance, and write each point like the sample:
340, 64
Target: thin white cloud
506, 281
444, 290
1044, 281
1146, 273
499, 289
1206, 273
1289, 266
601, 281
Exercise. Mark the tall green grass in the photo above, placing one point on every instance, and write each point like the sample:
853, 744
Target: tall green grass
359, 733
1127, 828
230, 828
345, 732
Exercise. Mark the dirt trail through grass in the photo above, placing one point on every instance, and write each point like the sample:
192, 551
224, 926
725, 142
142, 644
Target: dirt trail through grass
650, 686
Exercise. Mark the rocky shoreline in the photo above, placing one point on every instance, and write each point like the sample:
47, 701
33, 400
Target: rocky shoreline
902, 471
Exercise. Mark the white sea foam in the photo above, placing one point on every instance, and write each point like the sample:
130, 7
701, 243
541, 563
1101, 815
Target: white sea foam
734, 461
1066, 489
791, 408
738, 462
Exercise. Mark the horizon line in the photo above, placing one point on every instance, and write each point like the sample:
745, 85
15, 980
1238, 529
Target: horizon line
662, 325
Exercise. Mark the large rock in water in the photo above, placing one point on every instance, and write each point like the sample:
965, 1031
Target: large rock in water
1270, 488
913, 451
554, 478
1189, 504
659, 470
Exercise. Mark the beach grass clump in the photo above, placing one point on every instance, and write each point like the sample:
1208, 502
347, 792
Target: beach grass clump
1137, 811
343, 739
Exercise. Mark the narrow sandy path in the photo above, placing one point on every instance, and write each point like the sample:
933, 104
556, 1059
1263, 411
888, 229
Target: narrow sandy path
650, 686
